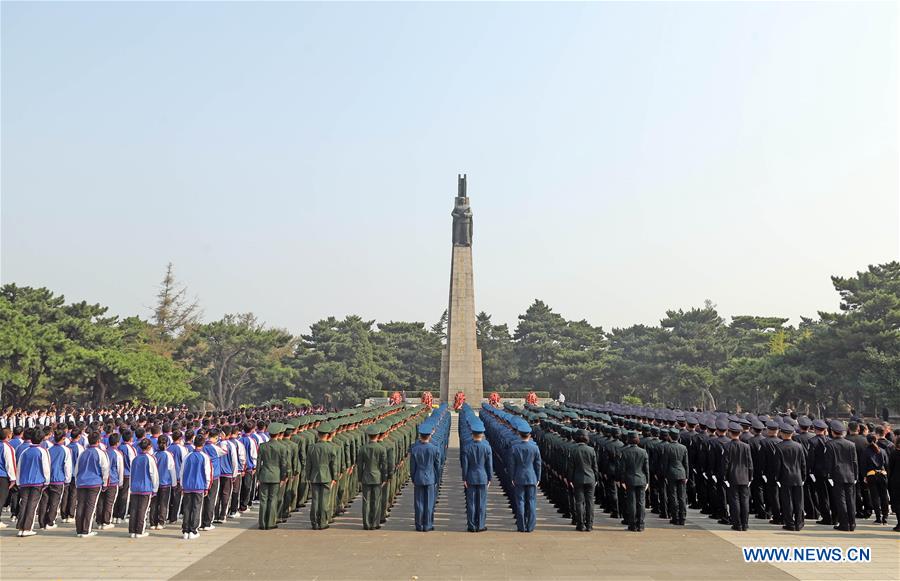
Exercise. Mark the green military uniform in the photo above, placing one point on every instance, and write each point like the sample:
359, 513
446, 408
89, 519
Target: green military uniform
306, 439
270, 471
322, 471
372, 464
290, 487
634, 473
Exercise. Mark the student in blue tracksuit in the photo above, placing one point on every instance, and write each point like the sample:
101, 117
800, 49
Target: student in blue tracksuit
34, 475
196, 478
91, 476
215, 454
143, 486
424, 466
525, 470
180, 452
67, 506
109, 495
60, 476
477, 469
8, 471
15, 442
165, 464
129, 453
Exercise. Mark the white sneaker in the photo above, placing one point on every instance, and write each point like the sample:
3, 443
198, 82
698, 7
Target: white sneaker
234, 515
53, 526
28, 533
186, 536
19, 533
3, 525
132, 535
91, 534
67, 520
193, 536
109, 526
117, 520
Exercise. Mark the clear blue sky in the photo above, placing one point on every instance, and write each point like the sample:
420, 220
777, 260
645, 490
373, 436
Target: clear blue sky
300, 160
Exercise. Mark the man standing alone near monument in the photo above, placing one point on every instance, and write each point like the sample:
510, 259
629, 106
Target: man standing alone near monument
372, 464
477, 468
525, 468
424, 466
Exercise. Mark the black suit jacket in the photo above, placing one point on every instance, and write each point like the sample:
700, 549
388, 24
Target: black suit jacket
791, 463
738, 463
841, 463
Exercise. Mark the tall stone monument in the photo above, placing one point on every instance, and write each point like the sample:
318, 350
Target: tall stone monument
461, 358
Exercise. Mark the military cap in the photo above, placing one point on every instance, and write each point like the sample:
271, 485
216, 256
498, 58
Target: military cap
691, 420
787, 428
772, 425
276, 428
764, 418
374, 430
838, 426
756, 424
674, 432
326, 428
522, 427
294, 422
804, 422
476, 426
425, 429
734, 427
743, 421
820, 425
722, 424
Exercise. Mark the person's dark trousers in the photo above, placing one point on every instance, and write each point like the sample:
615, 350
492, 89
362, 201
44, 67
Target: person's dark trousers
635, 507
584, 506
424, 497
773, 504
29, 504
49, 506
691, 488
287, 499
662, 501
175, 504
235, 504
371, 497
159, 506
209, 505
14, 502
86, 507
791, 498
823, 493
739, 506
612, 499
758, 495
139, 509
879, 496
121, 508
67, 506
476, 507
864, 499
677, 501
246, 490
105, 503
226, 484
318, 512
526, 505
191, 507
268, 504
4, 492
843, 503
809, 500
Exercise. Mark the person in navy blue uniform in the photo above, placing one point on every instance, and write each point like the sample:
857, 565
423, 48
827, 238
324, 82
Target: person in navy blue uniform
477, 464
424, 466
525, 470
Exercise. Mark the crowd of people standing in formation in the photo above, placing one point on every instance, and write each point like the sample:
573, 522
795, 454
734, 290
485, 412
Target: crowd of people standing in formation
782, 469
100, 468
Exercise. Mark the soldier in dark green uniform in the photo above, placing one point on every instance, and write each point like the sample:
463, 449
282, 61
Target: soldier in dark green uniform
674, 467
372, 465
634, 477
290, 488
583, 474
322, 475
271, 470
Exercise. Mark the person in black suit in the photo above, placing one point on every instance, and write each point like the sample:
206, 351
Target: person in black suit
791, 475
738, 476
818, 450
857, 433
842, 470
894, 480
874, 461
768, 464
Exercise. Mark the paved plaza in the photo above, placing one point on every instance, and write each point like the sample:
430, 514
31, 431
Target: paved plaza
702, 549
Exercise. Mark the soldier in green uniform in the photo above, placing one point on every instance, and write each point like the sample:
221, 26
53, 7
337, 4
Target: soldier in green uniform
634, 477
271, 471
372, 468
307, 439
290, 488
322, 473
